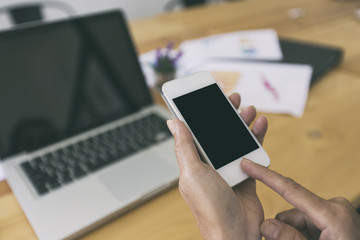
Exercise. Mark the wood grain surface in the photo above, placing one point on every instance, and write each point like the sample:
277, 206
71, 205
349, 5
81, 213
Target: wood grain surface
321, 150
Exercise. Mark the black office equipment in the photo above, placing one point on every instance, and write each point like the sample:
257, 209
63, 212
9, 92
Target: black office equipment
191, 3
321, 57
25, 14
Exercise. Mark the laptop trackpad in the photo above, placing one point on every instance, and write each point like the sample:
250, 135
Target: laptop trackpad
142, 176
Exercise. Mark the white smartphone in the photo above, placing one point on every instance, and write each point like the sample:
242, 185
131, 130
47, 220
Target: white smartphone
222, 137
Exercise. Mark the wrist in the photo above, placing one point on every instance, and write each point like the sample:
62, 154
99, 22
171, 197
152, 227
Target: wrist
232, 231
228, 232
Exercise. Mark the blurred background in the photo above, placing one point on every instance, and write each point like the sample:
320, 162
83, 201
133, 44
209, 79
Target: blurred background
51, 10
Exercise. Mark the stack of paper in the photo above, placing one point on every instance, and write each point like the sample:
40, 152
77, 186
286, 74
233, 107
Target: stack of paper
254, 44
235, 61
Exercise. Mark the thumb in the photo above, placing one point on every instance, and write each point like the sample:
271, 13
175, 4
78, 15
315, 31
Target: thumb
273, 229
185, 150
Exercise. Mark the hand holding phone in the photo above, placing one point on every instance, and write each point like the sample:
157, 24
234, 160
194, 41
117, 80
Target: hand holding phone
222, 137
236, 212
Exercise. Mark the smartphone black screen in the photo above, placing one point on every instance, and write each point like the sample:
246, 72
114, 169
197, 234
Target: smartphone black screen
215, 124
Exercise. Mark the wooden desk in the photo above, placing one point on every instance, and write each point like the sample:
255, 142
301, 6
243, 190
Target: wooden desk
320, 150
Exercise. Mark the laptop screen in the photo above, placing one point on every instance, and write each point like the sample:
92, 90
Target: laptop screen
60, 79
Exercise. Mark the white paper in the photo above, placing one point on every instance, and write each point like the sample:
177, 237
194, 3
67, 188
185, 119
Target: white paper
251, 44
270, 87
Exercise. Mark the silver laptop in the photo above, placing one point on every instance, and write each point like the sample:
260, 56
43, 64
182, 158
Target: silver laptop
81, 139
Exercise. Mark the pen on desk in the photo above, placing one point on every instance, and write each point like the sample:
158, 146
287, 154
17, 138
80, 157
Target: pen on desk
268, 86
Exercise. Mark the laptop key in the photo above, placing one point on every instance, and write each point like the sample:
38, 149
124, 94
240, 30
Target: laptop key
64, 177
52, 183
26, 166
41, 189
65, 180
79, 173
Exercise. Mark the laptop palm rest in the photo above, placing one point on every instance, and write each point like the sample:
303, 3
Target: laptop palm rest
146, 172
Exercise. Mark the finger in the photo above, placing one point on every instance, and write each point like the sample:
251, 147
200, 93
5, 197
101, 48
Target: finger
260, 128
185, 150
274, 229
297, 219
293, 217
309, 203
248, 114
235, 100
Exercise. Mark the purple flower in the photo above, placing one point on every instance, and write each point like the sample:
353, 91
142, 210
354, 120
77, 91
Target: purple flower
166, 59
158, 57
170, 45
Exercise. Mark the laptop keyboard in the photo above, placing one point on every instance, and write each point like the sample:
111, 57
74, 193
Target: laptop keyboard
63, 166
